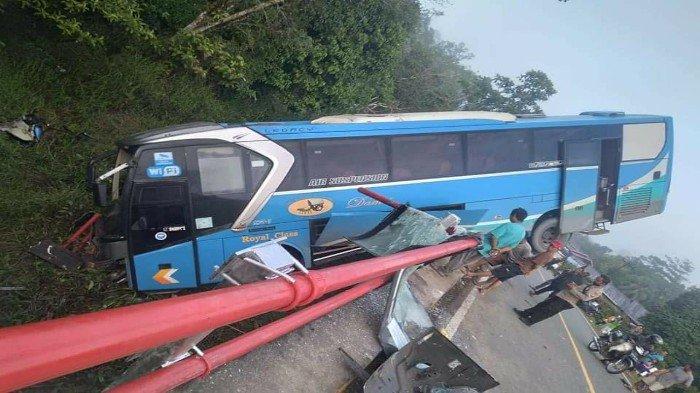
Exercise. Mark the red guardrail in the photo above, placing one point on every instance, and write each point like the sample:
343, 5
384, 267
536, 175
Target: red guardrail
168, 378
41, 351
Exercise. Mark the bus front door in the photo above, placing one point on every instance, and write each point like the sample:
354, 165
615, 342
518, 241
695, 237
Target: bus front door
579, 185
160, 236
611, 151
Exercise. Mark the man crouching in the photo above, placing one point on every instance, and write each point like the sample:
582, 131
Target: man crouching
519, 261
562, 300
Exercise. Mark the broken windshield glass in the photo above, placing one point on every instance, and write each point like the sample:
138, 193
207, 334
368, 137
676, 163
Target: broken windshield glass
405, 228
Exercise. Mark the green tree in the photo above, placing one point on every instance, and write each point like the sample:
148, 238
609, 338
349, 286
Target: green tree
642, 278
325, 56
501, 93
432, 76
198, 45
304, 56
430, 72
678, 322
649, 279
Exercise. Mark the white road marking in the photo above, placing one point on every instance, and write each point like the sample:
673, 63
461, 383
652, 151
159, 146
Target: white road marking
629, 383
591, 389
451, 329
584, 370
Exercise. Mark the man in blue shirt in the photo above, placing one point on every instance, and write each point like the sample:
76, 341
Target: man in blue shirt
500, 240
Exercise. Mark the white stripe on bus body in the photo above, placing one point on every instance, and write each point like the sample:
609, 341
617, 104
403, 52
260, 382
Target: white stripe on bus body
581, 168
432, 180
661, 166
625, 163
406, 182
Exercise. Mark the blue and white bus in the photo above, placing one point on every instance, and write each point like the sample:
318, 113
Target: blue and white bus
187, 197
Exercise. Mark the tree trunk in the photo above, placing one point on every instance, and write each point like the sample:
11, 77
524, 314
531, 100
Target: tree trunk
199, 25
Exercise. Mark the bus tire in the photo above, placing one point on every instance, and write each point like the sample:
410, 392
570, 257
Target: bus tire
543, 234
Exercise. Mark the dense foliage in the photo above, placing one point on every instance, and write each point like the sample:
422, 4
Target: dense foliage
300, 58
503, 94
659, 284
99, 70
432, 77
680, 318
649, 279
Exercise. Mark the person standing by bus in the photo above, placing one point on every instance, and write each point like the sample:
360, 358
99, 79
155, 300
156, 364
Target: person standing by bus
499, 241
562, 300
559, 282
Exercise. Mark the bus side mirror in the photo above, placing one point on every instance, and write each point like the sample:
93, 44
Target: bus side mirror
100, 194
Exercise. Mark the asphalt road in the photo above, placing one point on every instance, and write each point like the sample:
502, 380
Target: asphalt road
533, 359
308, 359
540, 358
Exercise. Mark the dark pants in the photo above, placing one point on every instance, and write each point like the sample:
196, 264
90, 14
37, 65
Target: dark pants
550, 307
543, 285
546, 288
553, 285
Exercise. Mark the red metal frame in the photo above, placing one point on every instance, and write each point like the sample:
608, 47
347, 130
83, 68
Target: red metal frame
41, 351
75, 241
168, 378
379, 197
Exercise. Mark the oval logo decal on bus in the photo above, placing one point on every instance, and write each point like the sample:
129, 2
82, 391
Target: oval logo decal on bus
310, 206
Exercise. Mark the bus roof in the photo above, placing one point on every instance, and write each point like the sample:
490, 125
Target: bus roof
396, 124
352, 127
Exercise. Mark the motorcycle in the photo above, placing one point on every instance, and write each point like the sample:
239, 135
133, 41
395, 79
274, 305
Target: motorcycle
645, 368
590, 307
608, 338
627, 361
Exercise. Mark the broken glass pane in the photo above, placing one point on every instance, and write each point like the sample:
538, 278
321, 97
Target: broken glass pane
404, 318
412, 228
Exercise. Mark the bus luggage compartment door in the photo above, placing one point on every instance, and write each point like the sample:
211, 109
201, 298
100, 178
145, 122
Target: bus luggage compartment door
579, 185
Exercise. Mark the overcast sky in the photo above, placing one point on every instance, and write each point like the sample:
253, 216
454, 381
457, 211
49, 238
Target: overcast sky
636, 56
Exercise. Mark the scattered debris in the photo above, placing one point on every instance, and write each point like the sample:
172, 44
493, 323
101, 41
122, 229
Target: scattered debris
30, 128
404, 318
431, 363
415, 357
73, 253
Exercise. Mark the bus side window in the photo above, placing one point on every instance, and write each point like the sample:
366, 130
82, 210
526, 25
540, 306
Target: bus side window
220, 183
259, 168
500, 151
295, 178
338, 162
426, 156
643, 141
221, 170
161, 164
546, 142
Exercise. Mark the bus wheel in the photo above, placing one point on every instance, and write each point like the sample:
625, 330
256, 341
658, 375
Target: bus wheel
543, 234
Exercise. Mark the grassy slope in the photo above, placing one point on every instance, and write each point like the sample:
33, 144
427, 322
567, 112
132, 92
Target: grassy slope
107, 94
